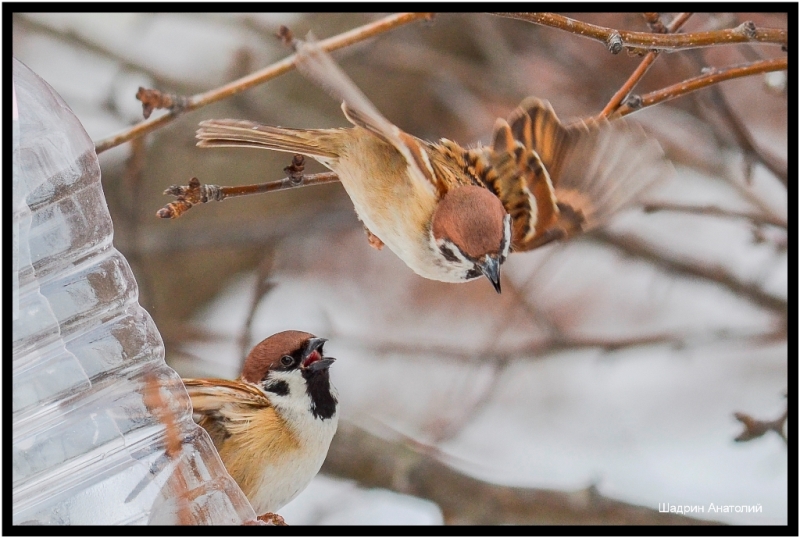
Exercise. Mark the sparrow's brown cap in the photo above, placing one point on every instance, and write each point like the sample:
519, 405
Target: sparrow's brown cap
267, 354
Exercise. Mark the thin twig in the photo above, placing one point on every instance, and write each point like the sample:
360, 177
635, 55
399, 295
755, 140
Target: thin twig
287, 64
713, 76
644, 66
617, 39
755, 218
158, 100
199, 193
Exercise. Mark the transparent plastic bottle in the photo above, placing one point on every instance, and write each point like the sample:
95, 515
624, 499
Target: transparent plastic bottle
89, 444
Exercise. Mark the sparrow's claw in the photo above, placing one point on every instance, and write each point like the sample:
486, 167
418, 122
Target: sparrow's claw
272, 519
374, 240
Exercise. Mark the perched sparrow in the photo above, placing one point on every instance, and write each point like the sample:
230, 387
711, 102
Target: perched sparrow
273, 426
451, 213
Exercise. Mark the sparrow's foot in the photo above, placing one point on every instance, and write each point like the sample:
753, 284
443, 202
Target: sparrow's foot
272, 519
374, 240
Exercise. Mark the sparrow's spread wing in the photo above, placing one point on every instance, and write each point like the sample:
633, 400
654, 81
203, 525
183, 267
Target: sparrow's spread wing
516, 174
225, 407
607, 166
534, 124
317, 65
558, 180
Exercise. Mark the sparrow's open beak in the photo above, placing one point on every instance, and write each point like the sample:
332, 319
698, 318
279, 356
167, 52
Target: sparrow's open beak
312, 355
491, 268
321, 364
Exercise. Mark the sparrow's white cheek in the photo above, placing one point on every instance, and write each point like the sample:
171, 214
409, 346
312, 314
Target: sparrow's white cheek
454, 265
292, 396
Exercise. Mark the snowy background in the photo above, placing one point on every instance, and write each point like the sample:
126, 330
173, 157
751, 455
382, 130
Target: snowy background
610, 366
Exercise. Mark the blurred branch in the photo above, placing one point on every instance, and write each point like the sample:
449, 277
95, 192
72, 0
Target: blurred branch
746, 141
616, 40
159, 239
262, 288
467, 500
634, 246
561, 343
712, 76
472, 403
268, 73
735, 126
755, 218
754, 428
173, 444
127, 193
654, 21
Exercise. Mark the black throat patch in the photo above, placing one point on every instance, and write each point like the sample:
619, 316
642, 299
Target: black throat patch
318, 387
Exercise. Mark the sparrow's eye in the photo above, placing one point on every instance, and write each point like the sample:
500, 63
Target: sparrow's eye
286, 360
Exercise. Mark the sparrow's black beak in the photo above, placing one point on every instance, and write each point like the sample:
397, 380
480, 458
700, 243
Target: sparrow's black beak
321, 364
491, 268
313, 344
312, 355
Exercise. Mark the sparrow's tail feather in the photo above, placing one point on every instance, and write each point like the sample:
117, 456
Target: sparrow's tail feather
317, 143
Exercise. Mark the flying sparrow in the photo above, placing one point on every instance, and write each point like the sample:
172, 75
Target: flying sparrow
452, 213
272, 427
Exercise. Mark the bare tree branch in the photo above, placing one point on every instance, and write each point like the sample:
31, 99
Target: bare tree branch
754, 428
711, 77
469, 501
744, 33
647, 61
